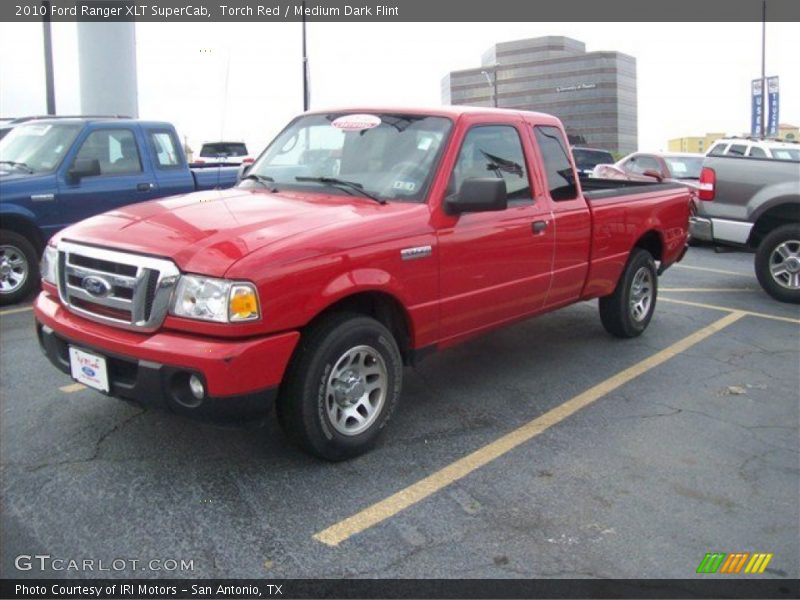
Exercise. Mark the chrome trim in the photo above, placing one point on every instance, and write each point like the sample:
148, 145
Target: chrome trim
167, 275
737, 232
416, 252
43, 197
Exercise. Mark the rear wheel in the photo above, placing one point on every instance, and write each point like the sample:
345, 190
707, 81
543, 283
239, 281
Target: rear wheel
778, 264
627, 312
19, 267
342, 386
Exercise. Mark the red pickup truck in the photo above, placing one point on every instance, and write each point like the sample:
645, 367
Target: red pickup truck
359, 241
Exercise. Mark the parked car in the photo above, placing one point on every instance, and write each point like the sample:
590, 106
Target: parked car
315, 280
681, 167
223, 153
586, 159
754, 203
755, 148
54, 172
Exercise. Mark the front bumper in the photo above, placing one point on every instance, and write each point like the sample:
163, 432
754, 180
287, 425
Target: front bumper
241, 377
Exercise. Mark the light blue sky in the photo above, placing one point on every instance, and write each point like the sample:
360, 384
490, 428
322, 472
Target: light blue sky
692, 77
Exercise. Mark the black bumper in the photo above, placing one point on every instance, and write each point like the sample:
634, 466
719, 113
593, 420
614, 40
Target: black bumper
155, 385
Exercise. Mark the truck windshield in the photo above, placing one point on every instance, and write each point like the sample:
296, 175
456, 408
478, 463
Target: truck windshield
37, 147
685, 167
389, 156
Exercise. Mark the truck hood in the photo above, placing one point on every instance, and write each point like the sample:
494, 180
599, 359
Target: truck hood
207, 232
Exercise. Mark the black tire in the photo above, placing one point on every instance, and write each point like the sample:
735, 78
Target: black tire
617, 314
784, 287
305, 397
17, 279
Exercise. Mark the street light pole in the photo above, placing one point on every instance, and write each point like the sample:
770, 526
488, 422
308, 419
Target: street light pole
49, 82
763, 67
492, 81
305, 63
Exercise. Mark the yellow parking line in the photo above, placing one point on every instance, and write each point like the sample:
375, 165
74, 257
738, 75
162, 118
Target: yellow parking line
72, 387
729, 309
699, 290
721, 271
11, 311
380, 511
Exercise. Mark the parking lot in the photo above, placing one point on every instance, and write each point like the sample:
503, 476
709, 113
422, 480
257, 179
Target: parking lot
547, 449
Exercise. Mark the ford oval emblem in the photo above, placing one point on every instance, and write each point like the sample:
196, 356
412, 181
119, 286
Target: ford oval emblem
96, 286
88, 371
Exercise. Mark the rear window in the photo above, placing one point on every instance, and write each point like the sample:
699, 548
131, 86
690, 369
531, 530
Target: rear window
684, 167
589, 159
223, 149
786, 153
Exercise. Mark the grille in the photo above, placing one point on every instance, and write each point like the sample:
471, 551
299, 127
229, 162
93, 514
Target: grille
117, 288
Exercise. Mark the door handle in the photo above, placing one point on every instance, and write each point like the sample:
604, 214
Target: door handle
538, 227
144, 187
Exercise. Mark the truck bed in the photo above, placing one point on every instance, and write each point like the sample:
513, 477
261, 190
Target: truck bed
602, 189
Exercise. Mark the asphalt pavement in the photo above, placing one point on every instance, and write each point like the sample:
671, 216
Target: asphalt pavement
546, 449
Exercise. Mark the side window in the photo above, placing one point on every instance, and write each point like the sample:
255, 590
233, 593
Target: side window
718, 150
114, 149
493, 151
648, 163
166, 149
558, 168
737, 150
757, 152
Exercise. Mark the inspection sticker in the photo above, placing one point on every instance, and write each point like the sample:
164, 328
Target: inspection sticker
356, 122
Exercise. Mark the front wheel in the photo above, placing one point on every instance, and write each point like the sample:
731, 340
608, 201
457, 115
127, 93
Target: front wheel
342, 386
19, 267
778, 264
627, 312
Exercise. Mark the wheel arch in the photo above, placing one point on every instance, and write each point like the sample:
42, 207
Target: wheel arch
24, 226
784, 211
382, 306
652, 242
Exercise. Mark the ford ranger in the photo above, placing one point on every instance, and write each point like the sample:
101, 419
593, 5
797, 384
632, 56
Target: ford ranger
57, 171
358, 242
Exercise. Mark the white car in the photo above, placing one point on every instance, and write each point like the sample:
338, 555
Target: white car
755, 148
223, 153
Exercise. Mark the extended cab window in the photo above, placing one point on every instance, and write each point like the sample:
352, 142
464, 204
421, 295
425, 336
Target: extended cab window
737, 150
493, 151
115, 150
757, 152
165, 149
557, 166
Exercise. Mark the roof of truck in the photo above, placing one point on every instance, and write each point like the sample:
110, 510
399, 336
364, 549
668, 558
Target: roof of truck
442, 111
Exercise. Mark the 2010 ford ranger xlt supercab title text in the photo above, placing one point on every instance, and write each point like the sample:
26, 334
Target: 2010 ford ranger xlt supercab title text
358, 241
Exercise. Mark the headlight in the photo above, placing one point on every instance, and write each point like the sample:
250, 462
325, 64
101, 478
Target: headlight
49, 265
211, 299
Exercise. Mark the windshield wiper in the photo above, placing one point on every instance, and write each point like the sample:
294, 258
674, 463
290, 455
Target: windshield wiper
336, 182
17, 164
263, 180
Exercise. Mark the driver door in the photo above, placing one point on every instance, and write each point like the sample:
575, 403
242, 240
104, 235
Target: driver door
495, 266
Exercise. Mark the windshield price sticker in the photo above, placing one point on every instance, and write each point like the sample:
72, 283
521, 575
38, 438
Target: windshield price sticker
356, 122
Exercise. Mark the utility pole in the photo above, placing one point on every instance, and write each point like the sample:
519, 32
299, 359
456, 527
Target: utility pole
49, 80
763, 68
305, 63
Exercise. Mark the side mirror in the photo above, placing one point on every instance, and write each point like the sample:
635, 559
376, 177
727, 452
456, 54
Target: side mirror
244, 169
83, 167
654, 174
478, 194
